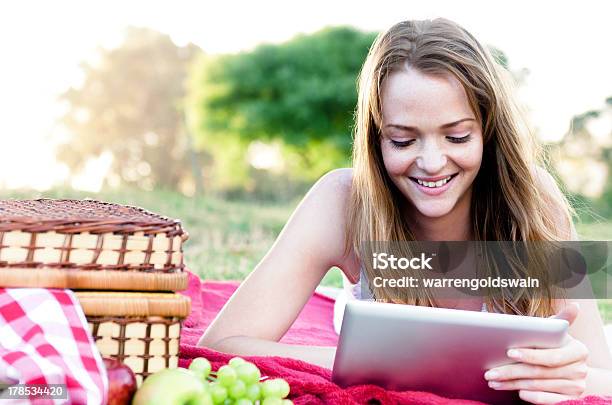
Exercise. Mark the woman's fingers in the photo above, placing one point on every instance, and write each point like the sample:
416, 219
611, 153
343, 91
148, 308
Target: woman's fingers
572, 352
545, 376
538, 397
561, 386
577, 370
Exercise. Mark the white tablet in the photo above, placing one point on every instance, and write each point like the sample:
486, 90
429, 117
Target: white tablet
443, 351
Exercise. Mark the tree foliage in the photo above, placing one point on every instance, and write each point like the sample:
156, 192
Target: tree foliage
301, 93
130, 104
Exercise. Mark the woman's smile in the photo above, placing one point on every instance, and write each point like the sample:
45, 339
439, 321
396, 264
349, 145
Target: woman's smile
433, 186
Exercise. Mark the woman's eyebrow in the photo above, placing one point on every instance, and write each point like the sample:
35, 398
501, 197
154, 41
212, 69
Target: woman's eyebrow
414, 129
452, 124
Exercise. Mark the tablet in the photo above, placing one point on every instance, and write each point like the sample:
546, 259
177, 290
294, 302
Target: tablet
443, 351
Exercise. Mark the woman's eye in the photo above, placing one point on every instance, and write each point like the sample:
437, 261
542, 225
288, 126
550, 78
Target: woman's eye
402, 144
459, 139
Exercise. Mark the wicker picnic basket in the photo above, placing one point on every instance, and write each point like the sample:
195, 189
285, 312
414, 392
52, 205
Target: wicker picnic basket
141, 330
87, 244
94, 245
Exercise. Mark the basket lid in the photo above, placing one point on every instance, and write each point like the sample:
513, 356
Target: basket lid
76, 216
105, 303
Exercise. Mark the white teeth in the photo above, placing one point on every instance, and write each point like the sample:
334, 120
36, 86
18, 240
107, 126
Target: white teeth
434, 184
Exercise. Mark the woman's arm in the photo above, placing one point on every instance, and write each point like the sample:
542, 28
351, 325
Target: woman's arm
270, 298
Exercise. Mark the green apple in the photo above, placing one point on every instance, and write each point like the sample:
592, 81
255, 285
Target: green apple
176, 386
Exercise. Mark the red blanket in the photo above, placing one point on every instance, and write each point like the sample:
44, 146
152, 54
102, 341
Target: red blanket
310, 384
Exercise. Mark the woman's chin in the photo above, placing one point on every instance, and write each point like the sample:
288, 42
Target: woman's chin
433, 210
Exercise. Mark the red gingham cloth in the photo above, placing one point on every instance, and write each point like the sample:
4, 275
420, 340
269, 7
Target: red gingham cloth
44, 339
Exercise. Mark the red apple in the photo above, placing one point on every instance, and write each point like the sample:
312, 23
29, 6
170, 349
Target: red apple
121, 382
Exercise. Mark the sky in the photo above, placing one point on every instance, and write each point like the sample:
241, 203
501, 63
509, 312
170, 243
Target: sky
564, 45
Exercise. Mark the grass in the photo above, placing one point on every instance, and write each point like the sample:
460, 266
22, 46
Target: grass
228, 238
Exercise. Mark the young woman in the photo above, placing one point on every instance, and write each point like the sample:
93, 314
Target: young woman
440, 154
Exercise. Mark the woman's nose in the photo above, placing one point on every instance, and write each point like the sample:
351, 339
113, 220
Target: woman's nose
431, 159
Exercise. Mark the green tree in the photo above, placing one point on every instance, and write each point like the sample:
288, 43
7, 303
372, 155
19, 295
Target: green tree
300, 94
130, 104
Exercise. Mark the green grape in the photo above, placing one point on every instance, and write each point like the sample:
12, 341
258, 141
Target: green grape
237, 390
253, 392
226, 376
248, 372
283, 387
272, 401
287, 402
244, 401
269, 389
275, 388
236, 361
201, 367
218, 393
228, 401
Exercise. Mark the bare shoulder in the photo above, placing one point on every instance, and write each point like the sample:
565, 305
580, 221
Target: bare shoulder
339, 180
332, 192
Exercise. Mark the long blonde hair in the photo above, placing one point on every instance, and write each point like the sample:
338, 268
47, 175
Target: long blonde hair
506, 205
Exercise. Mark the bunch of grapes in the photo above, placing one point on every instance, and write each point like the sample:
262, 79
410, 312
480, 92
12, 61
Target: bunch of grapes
240, 383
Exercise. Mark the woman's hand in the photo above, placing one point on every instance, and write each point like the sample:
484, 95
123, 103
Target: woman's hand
545, 376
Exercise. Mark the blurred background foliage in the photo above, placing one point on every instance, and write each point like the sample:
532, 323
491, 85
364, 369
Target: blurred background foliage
129, 109
287, 109
583, 161
263, 124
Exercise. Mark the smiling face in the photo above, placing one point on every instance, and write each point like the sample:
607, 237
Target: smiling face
431, 141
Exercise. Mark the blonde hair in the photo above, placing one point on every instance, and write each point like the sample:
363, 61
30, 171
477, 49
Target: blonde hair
506, 205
